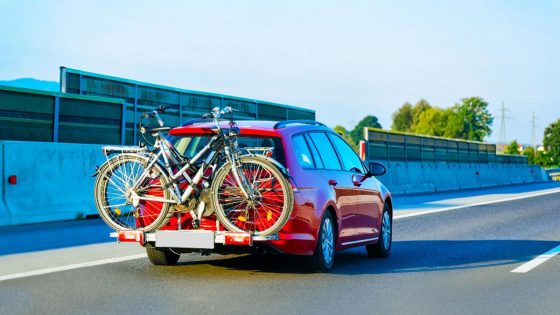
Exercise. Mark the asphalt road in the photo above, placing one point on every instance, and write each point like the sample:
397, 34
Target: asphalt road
452, 262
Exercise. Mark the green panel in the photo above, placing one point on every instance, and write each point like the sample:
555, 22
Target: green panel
377, 136
72, 83
300, 114
452, 154
377, 151
194, 106
413, 152
153, 96
25, 129
242, 110
103, 87
270, 112
89, 122
26, 116
441, 154
26, 102
428, 152
396, 152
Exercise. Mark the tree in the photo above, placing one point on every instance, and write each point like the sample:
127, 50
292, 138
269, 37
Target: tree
357, 133
402, 118
551, 142
512, 148
420, 107
529, 152
470, 120
346, 136
432, 121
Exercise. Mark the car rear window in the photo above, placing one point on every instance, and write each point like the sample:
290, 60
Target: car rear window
190, 146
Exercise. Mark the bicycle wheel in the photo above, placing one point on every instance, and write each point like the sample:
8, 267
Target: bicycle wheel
114, 196
267, 212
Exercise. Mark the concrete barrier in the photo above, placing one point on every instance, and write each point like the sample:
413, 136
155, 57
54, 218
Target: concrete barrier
54, 181
417, 177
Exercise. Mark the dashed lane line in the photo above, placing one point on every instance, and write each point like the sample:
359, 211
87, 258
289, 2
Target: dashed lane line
420, 212
528, 266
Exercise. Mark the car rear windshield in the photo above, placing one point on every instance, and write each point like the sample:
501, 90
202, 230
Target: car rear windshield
190, 146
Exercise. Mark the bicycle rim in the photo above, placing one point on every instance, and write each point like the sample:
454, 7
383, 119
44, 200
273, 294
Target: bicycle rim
114, 199
264, 215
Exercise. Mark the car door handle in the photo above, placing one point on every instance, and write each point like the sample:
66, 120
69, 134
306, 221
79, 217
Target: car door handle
333, 182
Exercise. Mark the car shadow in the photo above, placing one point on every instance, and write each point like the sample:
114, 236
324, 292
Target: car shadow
406, 256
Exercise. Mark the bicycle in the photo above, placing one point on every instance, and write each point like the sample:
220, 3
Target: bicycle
141, 189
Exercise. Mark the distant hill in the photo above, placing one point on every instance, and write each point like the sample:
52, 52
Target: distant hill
30, 83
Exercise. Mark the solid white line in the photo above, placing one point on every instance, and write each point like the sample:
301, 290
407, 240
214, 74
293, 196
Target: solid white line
71, 267
537, 261
408, 215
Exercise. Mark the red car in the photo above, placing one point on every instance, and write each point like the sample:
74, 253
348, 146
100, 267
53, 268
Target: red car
338, 203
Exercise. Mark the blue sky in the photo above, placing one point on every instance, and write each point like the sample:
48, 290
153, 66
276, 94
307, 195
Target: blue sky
345, 59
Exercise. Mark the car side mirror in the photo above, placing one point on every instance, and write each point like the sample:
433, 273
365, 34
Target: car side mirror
377, 169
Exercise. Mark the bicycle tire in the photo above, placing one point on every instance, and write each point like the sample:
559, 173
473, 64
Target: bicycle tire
116, 209
261, 217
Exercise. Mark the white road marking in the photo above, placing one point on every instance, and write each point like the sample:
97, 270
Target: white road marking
139, 256
537, 261
71, 267
414, 214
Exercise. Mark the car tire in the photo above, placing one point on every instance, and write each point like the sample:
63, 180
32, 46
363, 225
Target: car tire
322, 259
383, 247
162, 257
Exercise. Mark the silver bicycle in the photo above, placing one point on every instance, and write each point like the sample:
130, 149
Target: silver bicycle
142, 189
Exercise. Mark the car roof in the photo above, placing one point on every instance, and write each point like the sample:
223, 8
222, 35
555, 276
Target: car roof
249, 127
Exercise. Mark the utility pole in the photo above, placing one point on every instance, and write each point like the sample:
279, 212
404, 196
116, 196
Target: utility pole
503, 137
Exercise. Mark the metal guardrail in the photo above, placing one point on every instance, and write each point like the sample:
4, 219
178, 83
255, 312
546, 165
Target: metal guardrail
383, 145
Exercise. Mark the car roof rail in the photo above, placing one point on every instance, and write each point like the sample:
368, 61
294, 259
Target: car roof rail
284, 123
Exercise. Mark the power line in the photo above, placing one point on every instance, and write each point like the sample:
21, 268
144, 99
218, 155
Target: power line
503, 117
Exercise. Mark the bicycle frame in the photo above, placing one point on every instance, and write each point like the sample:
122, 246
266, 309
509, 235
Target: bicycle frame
215, 144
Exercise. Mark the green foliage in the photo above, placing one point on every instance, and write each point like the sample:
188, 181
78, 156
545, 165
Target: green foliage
529, 152
346, 136
468, 120
471, 120
512, 148
357, 133
402, 118
420, 107
551, 142
407, 116
433, 121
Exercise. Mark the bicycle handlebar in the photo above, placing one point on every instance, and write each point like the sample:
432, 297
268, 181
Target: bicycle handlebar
217, 113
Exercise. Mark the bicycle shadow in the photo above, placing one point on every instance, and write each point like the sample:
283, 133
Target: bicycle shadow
406, 257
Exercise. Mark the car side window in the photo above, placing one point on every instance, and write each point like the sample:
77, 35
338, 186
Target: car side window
315, 153
326, 150
302, 152
349, 158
